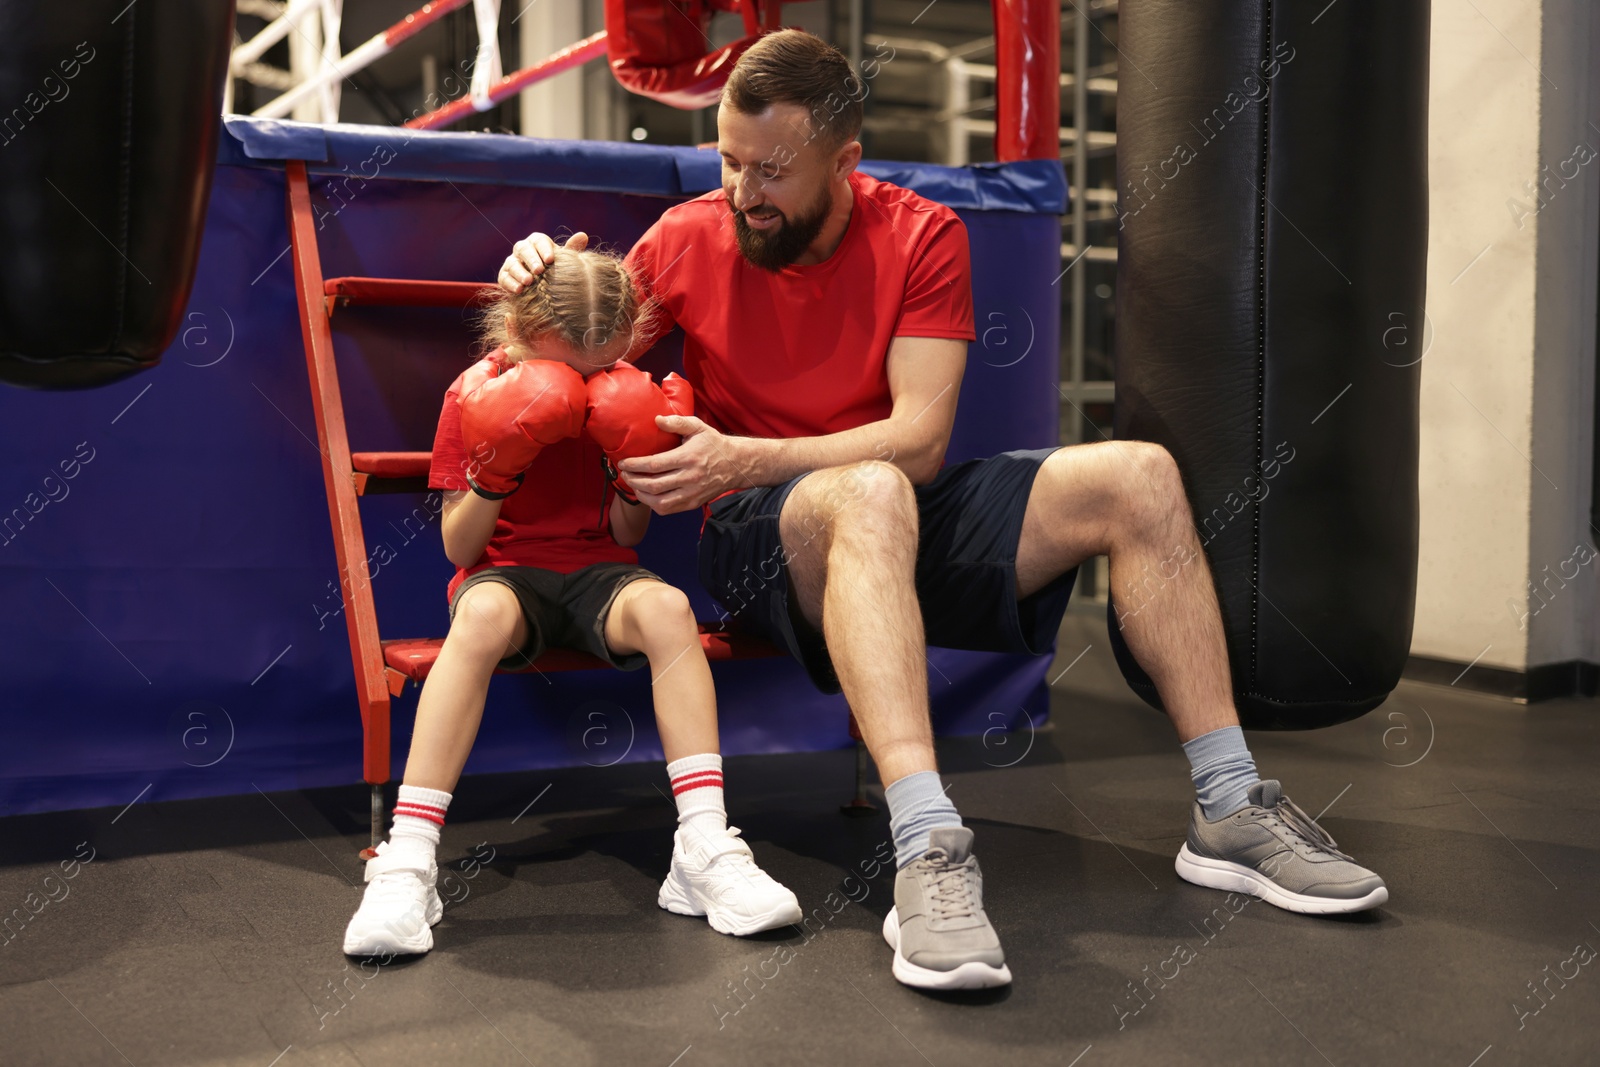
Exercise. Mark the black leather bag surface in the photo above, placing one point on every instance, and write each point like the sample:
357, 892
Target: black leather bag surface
107, 145
1272, 168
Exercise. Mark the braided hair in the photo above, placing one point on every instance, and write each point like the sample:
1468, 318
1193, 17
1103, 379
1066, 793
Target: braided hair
587, 300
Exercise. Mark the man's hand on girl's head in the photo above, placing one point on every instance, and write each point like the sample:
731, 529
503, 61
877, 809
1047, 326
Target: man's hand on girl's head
530, 255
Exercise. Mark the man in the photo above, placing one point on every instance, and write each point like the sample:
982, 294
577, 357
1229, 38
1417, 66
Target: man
826, 317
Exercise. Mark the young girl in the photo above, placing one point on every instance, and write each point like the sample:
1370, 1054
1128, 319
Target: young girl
543, 545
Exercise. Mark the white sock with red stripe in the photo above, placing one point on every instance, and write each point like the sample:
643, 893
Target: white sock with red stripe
697, 790
418, 817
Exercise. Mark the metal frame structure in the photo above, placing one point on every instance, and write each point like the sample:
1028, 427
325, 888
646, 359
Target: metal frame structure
964, 79
1075, 390
318, 68
311, 28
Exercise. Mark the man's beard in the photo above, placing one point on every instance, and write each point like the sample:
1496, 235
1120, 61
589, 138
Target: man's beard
773, 250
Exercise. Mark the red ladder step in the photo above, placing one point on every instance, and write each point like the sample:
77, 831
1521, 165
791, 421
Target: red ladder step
411, 659
404, 292
390, 472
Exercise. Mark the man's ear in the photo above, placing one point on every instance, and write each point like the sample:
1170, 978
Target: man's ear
847, 159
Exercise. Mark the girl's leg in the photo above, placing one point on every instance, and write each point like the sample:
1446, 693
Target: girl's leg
655, 618
713, 871
488, 626
400, 902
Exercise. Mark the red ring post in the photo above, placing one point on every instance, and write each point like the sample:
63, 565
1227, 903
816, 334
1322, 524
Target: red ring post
1027, 36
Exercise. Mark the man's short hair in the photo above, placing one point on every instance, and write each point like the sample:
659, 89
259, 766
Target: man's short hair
795, 67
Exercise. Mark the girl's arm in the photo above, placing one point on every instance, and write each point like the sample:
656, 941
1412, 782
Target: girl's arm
628, 521
468, 524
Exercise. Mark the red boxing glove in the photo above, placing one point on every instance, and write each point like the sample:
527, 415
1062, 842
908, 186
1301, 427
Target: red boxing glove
509, 415
623, 403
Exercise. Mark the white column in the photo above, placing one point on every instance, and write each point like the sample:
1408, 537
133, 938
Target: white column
305, 59
1508, 383
332, 18
553, 107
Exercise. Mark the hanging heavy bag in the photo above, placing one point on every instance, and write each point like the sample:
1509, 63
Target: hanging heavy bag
1272, 173
107, 144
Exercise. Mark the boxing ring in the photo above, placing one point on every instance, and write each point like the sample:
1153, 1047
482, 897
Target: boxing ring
208, 651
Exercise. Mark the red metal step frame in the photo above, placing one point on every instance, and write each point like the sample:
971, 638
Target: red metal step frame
349, 543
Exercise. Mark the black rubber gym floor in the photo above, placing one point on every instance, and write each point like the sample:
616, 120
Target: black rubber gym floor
207, 932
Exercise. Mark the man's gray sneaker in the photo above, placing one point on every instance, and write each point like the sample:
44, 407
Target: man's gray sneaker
938, 930
1271, 849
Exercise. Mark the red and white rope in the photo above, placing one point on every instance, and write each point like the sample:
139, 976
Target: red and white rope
358, 58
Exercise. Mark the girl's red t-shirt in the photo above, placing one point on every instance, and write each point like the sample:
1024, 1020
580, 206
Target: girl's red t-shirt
557, 519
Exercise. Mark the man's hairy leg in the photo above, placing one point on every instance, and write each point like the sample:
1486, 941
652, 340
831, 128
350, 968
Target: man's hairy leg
851, 540
850, 534
1125, 500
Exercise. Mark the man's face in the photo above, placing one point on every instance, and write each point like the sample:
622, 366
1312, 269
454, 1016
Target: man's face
778, 184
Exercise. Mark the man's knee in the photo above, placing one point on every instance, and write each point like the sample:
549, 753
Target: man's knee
1160, 475
871, 499
1157, 465
861, 498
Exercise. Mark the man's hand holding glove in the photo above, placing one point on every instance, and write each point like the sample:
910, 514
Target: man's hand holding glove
622, 406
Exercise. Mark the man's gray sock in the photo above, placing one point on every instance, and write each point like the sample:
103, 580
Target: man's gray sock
1223, 771
917, 804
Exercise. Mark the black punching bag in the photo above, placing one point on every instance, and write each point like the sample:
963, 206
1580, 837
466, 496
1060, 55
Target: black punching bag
1272, 172
107, 143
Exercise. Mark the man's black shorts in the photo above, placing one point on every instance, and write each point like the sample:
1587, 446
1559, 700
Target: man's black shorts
563, 610
969, 525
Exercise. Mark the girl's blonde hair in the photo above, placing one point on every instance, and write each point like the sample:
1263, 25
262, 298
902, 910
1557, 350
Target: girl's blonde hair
586, 299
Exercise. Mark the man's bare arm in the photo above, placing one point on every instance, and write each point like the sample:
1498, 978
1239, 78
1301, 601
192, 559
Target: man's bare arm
924, 383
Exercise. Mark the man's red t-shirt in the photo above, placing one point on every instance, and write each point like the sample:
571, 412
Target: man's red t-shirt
801, 352
557, 519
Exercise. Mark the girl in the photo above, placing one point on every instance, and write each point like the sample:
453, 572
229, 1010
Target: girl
538, 565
